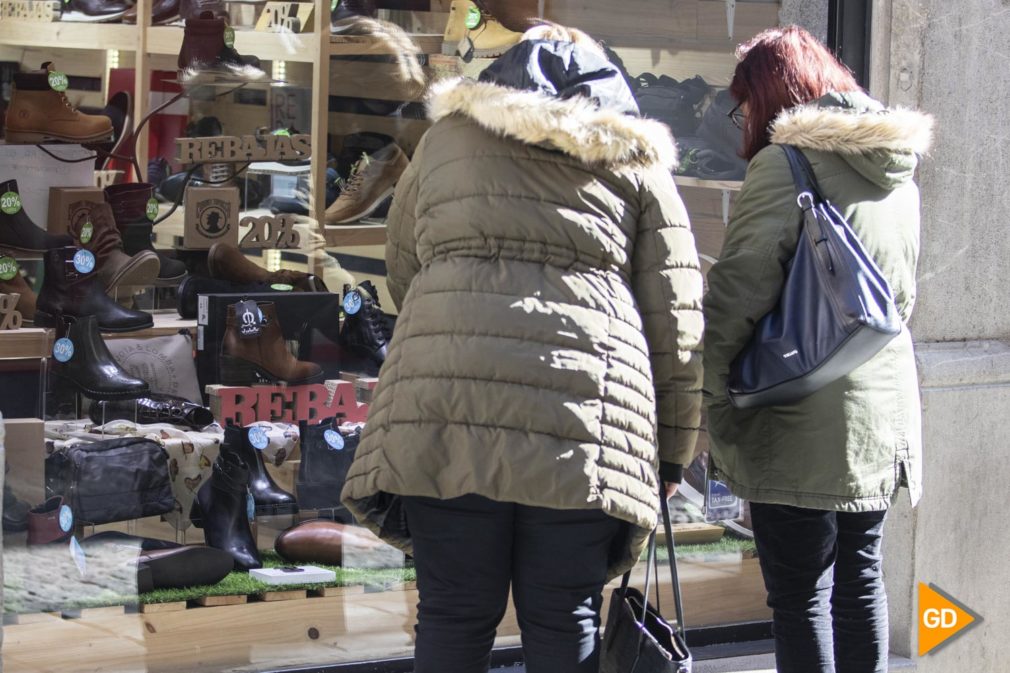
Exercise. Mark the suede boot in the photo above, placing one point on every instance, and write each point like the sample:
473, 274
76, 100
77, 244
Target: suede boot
204, 52
96, 231
270, 498
129, 208
263, 358
221, 509
91, 368
67, 292
38, 114
226, 262
472, 31
18, 233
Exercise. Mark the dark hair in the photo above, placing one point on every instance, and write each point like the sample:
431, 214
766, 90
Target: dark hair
780, 68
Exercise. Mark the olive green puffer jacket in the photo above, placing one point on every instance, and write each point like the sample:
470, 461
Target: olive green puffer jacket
848, 446
550, 325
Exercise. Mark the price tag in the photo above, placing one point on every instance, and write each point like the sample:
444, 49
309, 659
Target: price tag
152, 209
63, 350
720, 503
258, 438
84, 261
334, 439
8, 268
352, 302
10, 203
58, 81
249, 319
87, 231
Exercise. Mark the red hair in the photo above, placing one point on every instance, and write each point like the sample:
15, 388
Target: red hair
780, 68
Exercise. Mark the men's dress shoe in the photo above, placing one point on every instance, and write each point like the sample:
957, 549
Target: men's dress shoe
153, 408
91, 368
49, 523
93, 11
365, 333
269, 498
221, 509
226, 262
263, 358
38, 113
95, 230
320, 541
373, 179
18, 233
129, 209
162, 11
70, 293
204, 52
17, 284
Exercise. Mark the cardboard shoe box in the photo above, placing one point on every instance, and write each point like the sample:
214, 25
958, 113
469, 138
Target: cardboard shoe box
68, 204
212, 215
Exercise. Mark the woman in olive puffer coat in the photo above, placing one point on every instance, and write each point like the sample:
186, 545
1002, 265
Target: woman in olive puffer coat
545, 362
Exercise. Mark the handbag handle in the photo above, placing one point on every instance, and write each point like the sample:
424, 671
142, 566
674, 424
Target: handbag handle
803, 173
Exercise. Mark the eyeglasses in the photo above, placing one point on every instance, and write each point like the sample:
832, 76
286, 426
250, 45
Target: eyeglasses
737, 116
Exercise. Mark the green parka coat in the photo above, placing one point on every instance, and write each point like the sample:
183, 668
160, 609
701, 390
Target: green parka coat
550, 315
850, 445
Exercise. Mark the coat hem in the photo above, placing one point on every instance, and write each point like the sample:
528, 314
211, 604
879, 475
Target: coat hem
836, 503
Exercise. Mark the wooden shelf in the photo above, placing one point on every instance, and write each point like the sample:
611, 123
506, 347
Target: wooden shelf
360, 45
266, 46
730, 185
349, 235
27, 342
69, 35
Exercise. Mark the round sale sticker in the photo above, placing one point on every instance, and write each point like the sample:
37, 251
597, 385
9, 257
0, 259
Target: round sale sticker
84, 261
229, 37
334, 439
66, 519
472, 17
282, 287
152, 209
258, 438
10, 203
87, 231
58, 81
8, 268
63, 349
352, 302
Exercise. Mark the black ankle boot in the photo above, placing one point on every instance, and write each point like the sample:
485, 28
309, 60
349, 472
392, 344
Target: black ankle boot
270, 498
17, 231
221, 510
70, 293
90, 367
366, 331
327, 454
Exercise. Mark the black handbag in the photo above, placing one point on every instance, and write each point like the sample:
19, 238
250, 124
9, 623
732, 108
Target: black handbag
638, 639
111, 480
327, 452
836, 310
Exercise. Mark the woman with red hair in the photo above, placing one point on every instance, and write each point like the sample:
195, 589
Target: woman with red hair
819, 473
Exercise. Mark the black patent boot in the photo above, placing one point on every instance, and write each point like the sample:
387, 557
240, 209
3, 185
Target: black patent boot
70, 292
17, 231
82, 359
366, 331
221, 509
270, 498
153, 408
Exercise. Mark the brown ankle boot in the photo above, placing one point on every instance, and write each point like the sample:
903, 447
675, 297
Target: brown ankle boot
38, 113
226, 262
14, 283
263, 358
205, 51
95, 230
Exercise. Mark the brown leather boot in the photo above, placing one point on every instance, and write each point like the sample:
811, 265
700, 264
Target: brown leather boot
38, 113
129, 203
95, 230
12, 282
264, 358
226, 262
206, 52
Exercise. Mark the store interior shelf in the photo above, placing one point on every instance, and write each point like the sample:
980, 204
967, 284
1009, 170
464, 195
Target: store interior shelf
267, 46
69, 35
685, 181
347, 235
26, 343
356, 45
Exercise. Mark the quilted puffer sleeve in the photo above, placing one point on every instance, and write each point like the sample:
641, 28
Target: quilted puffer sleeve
667, 282
401, 242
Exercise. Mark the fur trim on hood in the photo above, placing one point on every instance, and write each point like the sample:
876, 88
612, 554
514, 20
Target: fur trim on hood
848, 131
574, 126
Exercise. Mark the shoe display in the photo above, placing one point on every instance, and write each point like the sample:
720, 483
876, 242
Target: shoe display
95, 230
372, 181
153, 408
12, 282
15, 512
129, 208
206, 52
18, 233
226, 262
39, 113
472, 31
321, 541
366, 331
264, 357
270, 499
88, 366
70, 290
327, 452
93, 11
221, 509
162, 11
52, 522
676, 104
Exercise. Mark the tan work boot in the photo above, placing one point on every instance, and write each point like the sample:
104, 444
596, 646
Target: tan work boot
226, 262
40, 113
372, 181
95, 230
474, 33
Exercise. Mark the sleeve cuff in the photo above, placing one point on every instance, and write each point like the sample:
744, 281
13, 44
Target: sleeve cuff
671, 472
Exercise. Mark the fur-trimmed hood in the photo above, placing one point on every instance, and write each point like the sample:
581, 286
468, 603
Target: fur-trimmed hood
575, 126
881, 143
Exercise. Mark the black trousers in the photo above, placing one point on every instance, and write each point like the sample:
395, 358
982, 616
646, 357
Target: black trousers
469, 550
823, 573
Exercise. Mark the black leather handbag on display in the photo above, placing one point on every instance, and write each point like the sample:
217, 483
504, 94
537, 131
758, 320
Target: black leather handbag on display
836, 310
638, 639
111, 480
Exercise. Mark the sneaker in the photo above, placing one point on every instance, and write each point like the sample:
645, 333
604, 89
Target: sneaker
372, 180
